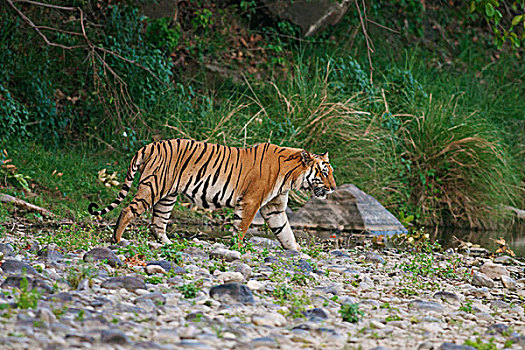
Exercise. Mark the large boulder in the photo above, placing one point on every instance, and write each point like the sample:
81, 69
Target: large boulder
346, 209
311, 15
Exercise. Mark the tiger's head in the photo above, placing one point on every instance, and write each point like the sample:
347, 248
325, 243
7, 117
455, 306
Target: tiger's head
319, 177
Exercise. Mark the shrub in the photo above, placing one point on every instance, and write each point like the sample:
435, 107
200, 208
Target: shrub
454, 168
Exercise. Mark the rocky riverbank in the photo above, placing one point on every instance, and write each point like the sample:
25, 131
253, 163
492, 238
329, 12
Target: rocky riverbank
203, 295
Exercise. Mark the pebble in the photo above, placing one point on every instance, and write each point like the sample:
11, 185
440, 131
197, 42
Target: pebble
225, 254
130, 283
114, 336
508, 282
494, 271
232, 292
114, 308
230, 276
271, 320
482, 280
153, 269
102, 254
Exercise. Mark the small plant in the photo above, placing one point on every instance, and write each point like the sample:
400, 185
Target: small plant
300, 279
80, 315
236, 243
217, 265
27, 299
154, 279
350, 312
189, 290
480, 345
172, 252
76, 274
282, 292
467, 307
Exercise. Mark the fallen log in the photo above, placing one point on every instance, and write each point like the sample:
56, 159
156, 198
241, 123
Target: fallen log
5, 198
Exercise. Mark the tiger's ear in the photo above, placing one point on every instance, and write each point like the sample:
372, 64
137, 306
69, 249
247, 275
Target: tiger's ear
325, 156
306, 158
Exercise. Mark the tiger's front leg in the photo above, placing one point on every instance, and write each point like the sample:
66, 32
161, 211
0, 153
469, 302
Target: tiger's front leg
274, 213
243, 216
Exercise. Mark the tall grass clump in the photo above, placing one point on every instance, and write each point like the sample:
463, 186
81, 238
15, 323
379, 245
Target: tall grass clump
455, 169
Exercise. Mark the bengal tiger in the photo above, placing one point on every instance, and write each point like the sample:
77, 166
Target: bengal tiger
215, 176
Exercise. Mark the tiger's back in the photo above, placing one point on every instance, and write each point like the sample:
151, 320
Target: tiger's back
212, 176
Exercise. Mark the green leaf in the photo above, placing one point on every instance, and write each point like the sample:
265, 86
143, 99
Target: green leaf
489, 10
517, 19
472, 6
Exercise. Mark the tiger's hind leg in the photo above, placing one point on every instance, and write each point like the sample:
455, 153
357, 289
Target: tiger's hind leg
161, 215
274, 213
138, 205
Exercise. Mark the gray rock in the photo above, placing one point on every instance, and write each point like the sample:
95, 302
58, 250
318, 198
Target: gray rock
101, 254
508, 282
50, 253
452, 346
197, 252
518, 339
427, 305
264, 342
232, 292
114, 336
350, 208
32, 283
304, 266
225, 254
194, 344
262, 242
156, 297
7, 249
81, 338
497, 328
339, 254
15, 266
374, 258
46, 315
481, 280
494, 271
379, 348
131, 283
499, 304
244, 269
316, 314
447, 296
61, 297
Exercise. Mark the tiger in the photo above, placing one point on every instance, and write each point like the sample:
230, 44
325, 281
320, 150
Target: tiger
215, 176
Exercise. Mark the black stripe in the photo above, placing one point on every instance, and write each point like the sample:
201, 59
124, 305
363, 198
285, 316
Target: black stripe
184, 167
277, 230
227, 183
203, 197
262, 158
215, 200
275, 212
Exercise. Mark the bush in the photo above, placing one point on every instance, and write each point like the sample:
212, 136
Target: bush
454, 168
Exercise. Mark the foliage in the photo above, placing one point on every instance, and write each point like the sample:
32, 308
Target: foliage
491, 11
481, 345
26, 298
189, 290
172, 252
351, 312
76, 274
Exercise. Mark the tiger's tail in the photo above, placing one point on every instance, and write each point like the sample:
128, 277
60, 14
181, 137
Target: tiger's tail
132, 169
